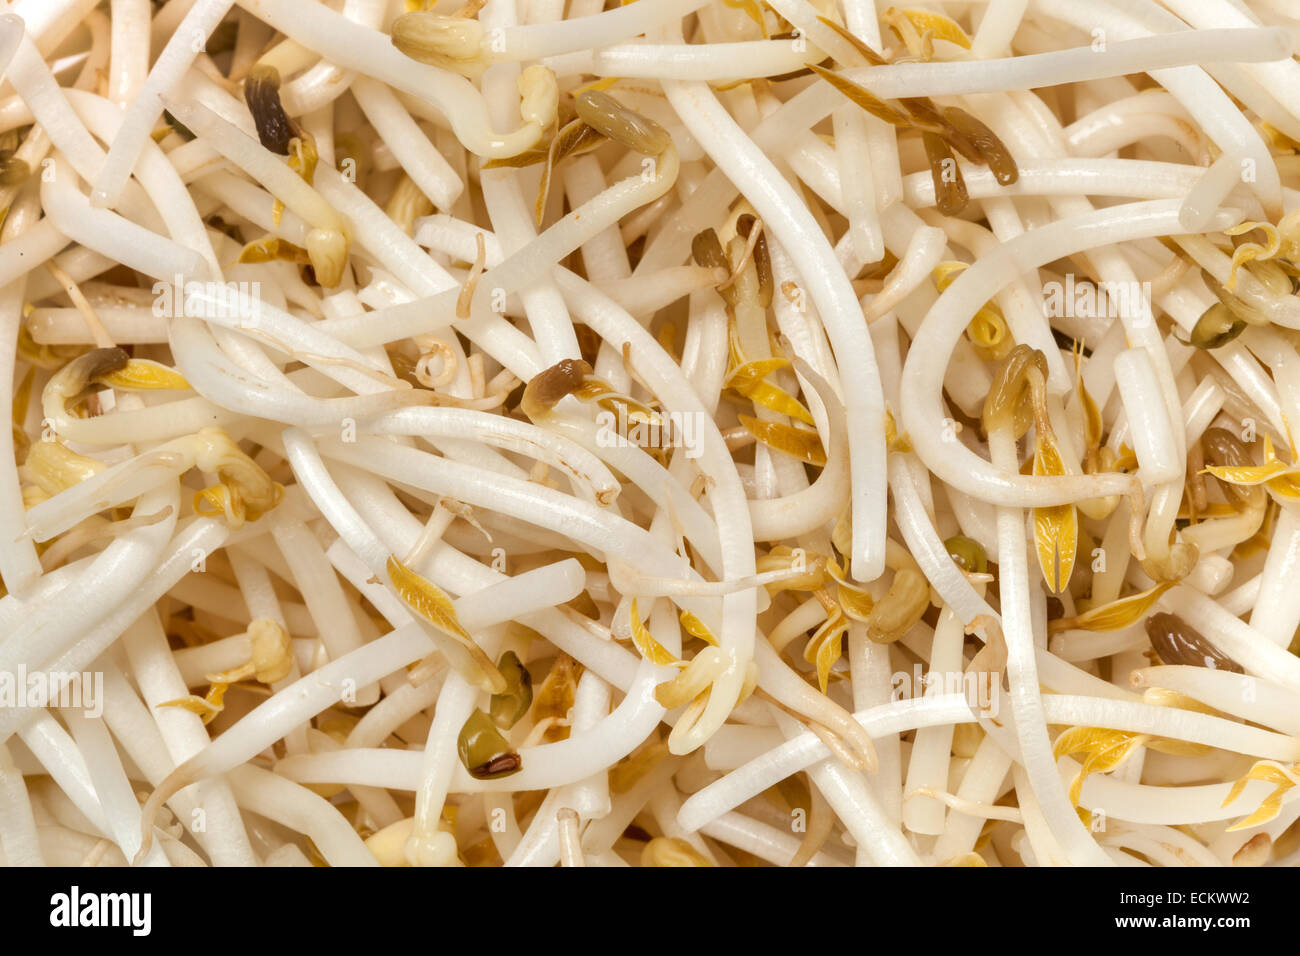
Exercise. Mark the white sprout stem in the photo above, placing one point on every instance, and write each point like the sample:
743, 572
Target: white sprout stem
371, 53
981, 783
1022, 672
514, 227
922, 414
1143, 400
18, 837
172, 63
1171, 806
261, 164
455, 704
1123, 178
19, 565
928, 766
299, 809
799, 752
182, 554
323, 595
120, 806
450, 568
871, 674
1169, 722
589, 475
1276, 607
544, 767
419, 158
120, 567
1206, 102
12, 30
538, 40
1242, 643
928, 549
784, 213
129, 59
857, 807
56, 751
1254, 698
1204, 198
108, 233
762, 840
712, 62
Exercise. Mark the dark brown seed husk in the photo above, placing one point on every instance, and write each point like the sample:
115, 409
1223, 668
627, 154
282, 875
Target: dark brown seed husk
950, 194
262, 94
988, 148
1177, 642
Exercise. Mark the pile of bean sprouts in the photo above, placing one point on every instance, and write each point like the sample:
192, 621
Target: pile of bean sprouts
649, 433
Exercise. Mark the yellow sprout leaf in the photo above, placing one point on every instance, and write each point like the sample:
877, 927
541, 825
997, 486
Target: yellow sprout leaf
694, 681
1250, 474
650, 649
574, 139
946, 272
603, 85
862, 97
302, 160
554, 699
825, 647
855, 602
802, 443
1113, 616
1280, 478
265, 249
1056, 532
894, 439
270, 248
988, 329
272, 650
55, 467
936, 24
1056, 529
206, 707
696, 628
623, 776
1251, 251
670, 851
431, 603
427, 599
783, 558
749, 381
1271, 772
1105, 750
237, 502
144, 375
1092, 422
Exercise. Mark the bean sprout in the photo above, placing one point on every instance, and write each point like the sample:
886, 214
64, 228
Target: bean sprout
598, 434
